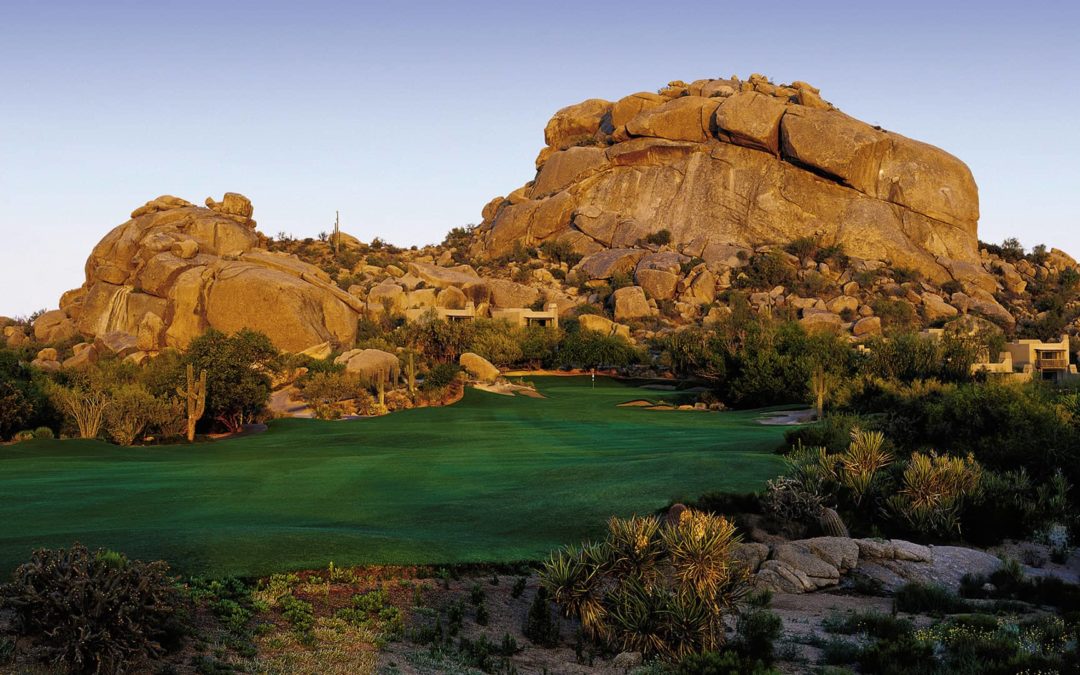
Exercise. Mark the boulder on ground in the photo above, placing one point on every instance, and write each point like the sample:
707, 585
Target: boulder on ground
478, 367
54, 326
373, 365
629, 303
601, 324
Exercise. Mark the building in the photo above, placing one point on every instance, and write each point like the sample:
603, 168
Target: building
521, 316
1029, 359
1049, 360
468, 313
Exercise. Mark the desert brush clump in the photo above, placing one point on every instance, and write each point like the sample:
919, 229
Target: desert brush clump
86, 611
656, 587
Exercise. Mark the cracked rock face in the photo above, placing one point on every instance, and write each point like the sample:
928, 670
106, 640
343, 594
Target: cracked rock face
175, 269
732, 163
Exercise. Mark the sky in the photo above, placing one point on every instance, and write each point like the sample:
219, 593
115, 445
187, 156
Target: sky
408, 117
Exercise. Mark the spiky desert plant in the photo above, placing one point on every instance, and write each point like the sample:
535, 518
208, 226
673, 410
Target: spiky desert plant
656, 589
574, 579
934, 490
864, 457
699, 551
635, 546
822, 383
194, 396
637, 617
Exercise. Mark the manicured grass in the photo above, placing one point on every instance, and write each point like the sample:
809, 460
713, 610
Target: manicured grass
492, 478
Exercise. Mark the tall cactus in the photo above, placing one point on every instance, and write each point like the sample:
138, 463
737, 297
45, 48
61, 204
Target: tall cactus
410, 371
195, 397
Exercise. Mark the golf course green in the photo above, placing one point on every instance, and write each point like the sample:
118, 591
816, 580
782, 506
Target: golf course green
491, 478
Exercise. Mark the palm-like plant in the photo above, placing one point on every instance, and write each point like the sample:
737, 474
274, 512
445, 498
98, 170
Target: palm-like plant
934, 489
573, 577
657, 589
699, 551
864, 457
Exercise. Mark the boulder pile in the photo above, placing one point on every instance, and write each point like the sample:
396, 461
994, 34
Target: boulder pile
808, 565
176, 269
726, 165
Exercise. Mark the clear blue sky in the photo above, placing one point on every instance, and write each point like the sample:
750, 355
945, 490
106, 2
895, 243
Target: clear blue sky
408, 117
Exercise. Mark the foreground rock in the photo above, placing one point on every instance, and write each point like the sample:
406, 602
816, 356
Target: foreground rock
810, 564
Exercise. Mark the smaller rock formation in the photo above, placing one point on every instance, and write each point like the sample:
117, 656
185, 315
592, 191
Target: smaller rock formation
478, 367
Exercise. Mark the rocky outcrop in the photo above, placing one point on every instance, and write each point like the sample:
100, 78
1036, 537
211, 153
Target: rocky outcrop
722, 163
175, 269
807, 565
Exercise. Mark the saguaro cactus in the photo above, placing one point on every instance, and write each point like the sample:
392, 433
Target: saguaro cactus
195, 396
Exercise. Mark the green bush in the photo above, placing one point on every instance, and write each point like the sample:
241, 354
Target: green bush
764, 271
918, 598
93, 612
659, 238
44, 433
440, 375
720, 663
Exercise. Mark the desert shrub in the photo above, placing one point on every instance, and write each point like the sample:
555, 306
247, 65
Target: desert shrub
518, 588
540, 626
919, 598
873, 624
833, 432
327, 392
373, 610
93, 612
895, 315
498, 342
589, 349
440, 375
130, 410
44, 433
764, 271
756, 631
903, 275
720, 663
952, 286
656, 588
802, 247
659, 238
560, 251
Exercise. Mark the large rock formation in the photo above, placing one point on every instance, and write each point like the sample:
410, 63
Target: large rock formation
723, 163
176, 269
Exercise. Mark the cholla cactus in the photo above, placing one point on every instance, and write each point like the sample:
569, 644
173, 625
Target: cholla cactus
1057, 538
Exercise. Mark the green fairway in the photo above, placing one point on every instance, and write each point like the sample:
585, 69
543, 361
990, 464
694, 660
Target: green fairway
492, 478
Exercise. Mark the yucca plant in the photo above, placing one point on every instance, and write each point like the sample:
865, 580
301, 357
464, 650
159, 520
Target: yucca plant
574, 579
635, 547
699, 551
637, 617
657, 589
934, 489
864, 457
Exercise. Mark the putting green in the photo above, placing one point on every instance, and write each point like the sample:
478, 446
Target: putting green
491, 478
